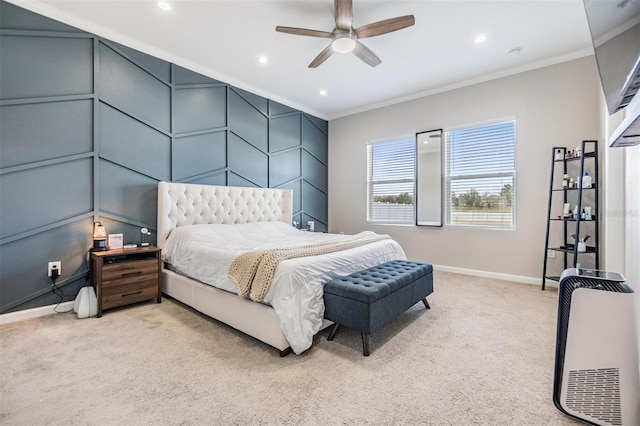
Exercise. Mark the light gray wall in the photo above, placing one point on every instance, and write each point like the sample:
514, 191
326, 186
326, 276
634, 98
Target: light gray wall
553, 106
89, 127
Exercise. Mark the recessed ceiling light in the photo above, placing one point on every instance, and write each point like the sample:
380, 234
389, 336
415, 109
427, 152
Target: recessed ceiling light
164, 5
480, 38
323, 92
263, 59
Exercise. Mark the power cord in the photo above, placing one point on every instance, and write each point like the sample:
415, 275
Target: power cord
55, 274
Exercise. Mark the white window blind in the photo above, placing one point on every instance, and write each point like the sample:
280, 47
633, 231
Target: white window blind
480, 175
390, 181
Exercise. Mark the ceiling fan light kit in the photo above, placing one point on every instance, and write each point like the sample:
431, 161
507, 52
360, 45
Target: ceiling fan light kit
343, 43
345, 39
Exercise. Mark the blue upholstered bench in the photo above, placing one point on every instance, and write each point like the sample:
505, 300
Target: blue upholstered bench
369, 299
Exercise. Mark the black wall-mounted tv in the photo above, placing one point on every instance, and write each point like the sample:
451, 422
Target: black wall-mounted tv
615, 31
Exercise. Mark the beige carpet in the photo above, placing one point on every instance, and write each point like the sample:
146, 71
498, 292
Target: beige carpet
482, 355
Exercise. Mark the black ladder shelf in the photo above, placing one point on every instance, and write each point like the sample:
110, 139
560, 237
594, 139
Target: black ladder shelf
587, 162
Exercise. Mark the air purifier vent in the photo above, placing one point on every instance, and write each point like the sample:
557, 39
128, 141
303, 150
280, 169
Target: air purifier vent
596, 393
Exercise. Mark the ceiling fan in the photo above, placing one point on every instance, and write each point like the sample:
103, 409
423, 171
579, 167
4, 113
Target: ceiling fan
345, 38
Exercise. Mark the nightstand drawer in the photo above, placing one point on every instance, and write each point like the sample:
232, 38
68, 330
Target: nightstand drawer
130, 285
129, 294
129, 270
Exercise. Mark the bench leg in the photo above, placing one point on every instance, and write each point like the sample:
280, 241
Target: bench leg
365, 344
426, 304
334, 330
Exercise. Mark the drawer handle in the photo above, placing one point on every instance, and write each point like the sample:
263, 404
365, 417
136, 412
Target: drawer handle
131, 274
132, 294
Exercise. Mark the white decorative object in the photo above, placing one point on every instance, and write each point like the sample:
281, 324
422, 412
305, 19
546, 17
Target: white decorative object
145, 232
311, 225
115, 241
86, 303
587, 213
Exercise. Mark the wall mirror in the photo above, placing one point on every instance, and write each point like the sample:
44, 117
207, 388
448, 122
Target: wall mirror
429, 178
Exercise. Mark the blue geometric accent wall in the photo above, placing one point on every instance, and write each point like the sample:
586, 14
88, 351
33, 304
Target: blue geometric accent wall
87, 129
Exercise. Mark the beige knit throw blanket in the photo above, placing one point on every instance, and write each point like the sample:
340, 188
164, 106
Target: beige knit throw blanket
253, 272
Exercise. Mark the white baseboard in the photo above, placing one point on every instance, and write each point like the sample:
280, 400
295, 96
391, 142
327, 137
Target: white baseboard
494, 275
34, 312
48, 310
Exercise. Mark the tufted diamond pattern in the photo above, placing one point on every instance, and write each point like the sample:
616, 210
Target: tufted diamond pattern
378, 281
182, 204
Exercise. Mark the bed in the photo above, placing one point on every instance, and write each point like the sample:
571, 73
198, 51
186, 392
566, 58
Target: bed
202, 228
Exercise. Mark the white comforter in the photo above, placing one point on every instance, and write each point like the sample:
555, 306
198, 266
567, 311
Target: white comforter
204, 252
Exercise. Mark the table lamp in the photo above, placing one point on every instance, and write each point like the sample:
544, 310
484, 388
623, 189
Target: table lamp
99, 237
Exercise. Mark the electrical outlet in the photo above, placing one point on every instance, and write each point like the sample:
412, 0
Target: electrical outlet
54, 265
551, 254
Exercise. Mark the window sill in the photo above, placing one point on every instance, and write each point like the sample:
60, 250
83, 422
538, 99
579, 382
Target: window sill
485, 227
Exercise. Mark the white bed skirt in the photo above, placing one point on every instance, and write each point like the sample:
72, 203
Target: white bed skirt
255, 319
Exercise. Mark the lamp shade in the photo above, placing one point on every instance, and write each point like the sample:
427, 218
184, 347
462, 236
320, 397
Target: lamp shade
99, 237
98, 231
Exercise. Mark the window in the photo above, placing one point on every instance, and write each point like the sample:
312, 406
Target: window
480, 175
390, 181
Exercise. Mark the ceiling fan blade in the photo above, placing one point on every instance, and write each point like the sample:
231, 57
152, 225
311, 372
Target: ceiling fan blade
304, 32
322, 56
385, 26
343, 10
364, 53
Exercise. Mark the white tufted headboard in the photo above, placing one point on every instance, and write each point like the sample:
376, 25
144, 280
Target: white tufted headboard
181, 204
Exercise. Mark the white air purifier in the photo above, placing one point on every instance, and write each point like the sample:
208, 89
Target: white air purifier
86, 303
597, 372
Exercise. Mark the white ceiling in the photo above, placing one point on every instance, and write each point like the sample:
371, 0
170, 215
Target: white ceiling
223, 39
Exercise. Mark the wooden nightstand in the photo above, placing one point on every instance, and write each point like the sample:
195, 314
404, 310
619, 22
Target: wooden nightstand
125, 276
